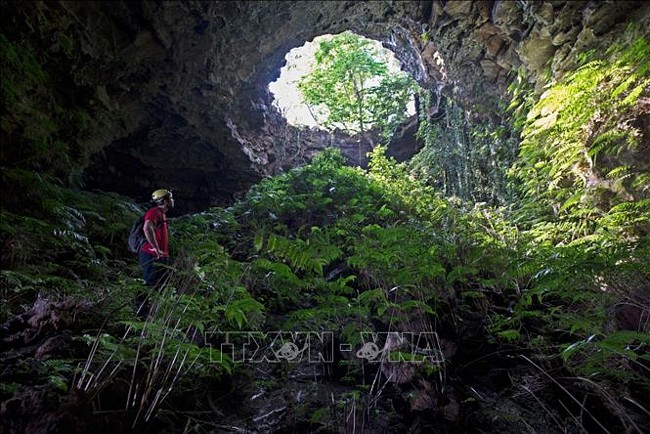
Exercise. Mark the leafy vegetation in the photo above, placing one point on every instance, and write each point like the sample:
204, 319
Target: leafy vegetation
350, 88
464, 157
327, 247
463, 306
581, 153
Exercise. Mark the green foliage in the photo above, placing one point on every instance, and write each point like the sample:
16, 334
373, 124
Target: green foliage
64, 247
613, 357
584, 224
325, 247
462, 156
309, 255
397, 247
355, 88
522, 98
396, 257
243, 311
576, 139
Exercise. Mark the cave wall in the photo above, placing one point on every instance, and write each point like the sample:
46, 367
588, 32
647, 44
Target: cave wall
486, 44
175, 92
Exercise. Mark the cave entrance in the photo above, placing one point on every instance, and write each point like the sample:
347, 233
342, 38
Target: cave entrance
356, 66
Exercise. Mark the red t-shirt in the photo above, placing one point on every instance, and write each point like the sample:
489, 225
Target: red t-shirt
159, 219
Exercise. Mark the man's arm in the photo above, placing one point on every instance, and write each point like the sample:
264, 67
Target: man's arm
150, 235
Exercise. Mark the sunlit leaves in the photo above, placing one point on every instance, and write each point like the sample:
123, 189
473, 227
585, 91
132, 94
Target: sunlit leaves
579, 138
351, 89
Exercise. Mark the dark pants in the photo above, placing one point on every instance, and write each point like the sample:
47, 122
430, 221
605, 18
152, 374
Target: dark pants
155, 273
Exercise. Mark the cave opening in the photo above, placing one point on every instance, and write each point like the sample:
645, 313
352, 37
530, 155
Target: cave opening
494, 282
307, 61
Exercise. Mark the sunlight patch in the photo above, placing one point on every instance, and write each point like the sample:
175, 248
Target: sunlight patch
288, 99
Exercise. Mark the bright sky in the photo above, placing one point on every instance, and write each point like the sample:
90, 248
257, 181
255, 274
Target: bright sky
299, 60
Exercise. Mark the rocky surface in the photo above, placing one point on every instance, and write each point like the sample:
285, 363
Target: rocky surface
176, 92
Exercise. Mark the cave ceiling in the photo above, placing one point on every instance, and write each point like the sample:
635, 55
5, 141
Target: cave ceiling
178, 90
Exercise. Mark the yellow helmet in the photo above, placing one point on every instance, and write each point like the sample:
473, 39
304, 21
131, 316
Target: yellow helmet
159, 195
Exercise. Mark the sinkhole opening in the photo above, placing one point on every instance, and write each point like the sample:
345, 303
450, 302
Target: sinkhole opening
344, 82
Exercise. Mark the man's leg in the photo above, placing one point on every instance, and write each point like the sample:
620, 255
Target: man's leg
149, 269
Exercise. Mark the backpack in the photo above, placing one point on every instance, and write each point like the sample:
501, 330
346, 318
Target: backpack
136, 236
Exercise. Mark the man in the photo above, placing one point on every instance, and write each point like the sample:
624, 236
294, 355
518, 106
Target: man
154, 254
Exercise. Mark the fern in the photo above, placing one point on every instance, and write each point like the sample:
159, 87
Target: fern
242, 312
310, 255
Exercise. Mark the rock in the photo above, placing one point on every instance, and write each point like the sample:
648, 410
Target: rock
175, 95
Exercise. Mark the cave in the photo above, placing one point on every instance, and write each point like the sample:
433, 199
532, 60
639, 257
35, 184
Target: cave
107, 101
178, 92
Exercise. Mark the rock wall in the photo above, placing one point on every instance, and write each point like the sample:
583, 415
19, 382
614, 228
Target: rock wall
175, 93
485, 44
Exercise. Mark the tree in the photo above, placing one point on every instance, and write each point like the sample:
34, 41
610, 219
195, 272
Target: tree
350, 89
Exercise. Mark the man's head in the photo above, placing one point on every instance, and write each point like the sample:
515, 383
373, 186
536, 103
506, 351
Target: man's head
163, 197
